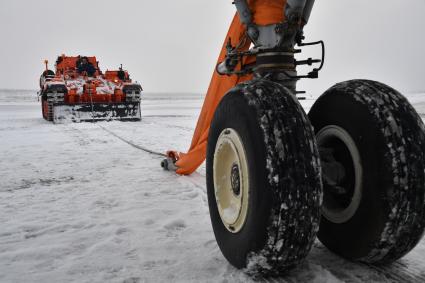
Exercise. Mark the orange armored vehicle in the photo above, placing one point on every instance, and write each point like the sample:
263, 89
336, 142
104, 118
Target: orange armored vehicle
79, 91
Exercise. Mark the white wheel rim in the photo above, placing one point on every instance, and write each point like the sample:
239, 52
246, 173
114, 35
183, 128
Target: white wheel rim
341, 215
231, 180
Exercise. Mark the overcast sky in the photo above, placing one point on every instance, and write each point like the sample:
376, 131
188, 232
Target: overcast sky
172, 46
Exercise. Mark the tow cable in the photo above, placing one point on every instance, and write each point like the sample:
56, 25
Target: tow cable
162, 155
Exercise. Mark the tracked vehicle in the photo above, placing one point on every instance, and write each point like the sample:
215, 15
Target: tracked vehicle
78, 91
352, 171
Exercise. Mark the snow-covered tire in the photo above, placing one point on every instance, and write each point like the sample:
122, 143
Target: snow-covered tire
374, 209
278, 177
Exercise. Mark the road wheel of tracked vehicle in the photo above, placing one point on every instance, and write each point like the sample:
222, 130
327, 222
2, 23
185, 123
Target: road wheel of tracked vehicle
372, 147
263, 178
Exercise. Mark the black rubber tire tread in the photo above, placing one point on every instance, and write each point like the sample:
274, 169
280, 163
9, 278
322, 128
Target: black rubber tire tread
391, 218
287, 172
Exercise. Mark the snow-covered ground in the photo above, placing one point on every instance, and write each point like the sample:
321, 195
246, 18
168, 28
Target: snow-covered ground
77, 204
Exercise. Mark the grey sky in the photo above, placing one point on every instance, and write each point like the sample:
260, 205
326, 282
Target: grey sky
172, 46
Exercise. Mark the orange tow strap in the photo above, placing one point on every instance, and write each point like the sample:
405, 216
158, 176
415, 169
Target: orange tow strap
264, 12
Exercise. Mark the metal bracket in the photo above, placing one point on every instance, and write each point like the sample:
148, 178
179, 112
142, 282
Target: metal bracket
271, 42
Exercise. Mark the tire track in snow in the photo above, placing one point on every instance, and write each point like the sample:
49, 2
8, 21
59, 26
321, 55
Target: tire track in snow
400, 272
80, 136
396, 272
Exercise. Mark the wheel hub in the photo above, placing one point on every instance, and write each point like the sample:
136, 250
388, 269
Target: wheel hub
231, 180
235, 179
341, 173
